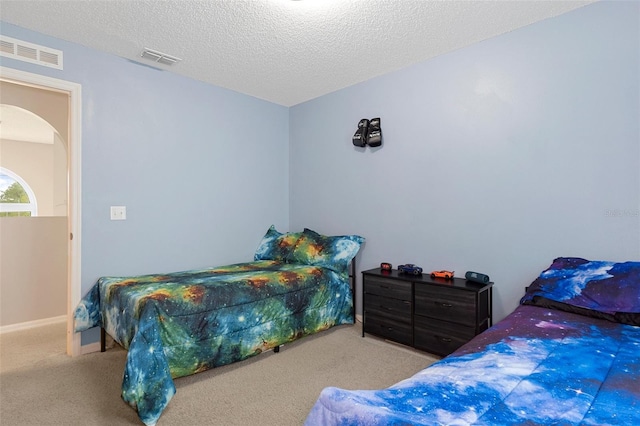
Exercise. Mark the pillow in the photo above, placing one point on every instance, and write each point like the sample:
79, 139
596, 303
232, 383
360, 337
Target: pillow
276, 245
601, 289
330, 252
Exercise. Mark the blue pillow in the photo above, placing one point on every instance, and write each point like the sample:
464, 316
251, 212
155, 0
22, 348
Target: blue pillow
609, 290
276, 245
333, 252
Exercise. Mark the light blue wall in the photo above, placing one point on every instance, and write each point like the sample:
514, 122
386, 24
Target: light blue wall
497, 157
203, 171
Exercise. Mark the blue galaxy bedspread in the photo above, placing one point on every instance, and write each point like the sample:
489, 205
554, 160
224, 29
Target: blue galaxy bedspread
182, 323
540, 365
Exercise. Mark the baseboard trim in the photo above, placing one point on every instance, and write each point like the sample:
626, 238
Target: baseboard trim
32, 324
90, 348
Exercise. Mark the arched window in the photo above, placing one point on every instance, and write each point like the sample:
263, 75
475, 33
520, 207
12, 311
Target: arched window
16, 196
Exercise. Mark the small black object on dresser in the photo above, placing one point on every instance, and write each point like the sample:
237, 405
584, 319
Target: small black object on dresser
430, 314
477, 277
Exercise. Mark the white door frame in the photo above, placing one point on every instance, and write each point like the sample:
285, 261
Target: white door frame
74, 283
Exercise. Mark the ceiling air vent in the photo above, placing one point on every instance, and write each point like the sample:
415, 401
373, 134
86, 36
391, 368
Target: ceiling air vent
159, 57
29, 52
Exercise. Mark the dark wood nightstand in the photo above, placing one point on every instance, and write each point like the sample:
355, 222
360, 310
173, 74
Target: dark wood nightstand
434, 315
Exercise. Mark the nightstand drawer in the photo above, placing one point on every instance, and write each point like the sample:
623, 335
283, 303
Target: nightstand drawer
400, 310
388, 288
389, 329
440, 337
446, 304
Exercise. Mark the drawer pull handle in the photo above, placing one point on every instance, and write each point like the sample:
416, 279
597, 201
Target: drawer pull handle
445, 339
446, 305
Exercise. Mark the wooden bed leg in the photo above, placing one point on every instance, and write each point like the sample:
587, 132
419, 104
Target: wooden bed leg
276, 349
103, 340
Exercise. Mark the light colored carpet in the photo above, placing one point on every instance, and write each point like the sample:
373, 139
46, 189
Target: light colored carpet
40, 385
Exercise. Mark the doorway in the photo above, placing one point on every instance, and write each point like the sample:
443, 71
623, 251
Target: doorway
71, 90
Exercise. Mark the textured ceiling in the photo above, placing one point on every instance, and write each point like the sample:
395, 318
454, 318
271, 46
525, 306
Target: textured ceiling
282, 51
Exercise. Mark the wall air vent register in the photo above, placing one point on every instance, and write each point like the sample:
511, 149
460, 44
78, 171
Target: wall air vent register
29, 52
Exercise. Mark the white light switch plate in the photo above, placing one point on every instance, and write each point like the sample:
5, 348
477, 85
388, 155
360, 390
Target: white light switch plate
118, 212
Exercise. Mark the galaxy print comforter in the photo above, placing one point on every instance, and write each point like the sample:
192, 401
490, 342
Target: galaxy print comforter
540, 365
600, 289
182, 323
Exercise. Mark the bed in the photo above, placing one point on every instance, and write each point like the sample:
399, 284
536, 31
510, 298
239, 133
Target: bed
569, 354
181, 323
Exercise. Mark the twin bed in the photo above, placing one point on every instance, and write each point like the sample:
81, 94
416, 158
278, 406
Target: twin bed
178, 324
568, 355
